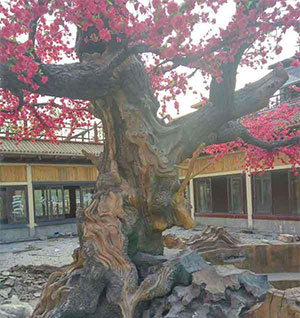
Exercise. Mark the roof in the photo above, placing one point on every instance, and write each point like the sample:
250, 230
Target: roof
294, 76
42, 148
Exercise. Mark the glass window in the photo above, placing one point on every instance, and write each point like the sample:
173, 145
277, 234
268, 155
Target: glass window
48, 203
280, 192
277, 193
57, 202
87, 196
295, 193
235, 194
263, 194
67, 204
78, 198
40, 203
202, 193
219, 194
3, 204
60, 201
13, 204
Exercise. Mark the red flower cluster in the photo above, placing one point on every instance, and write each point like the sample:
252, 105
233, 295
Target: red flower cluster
36, 32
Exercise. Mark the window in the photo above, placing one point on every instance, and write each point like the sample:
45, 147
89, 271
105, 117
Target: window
277, 193
236, 194
13, 204
280, 192
222, 194
295, 194
49, 203
202, 195
219, 192
55, 202
87, 196
263, 193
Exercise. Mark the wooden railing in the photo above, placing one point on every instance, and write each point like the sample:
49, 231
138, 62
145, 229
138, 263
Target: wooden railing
279, 99
92, 134
276, 101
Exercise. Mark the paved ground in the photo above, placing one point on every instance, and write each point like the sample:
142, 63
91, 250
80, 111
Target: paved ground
56, 252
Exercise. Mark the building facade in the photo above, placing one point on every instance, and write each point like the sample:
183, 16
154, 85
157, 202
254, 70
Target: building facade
42, 185
224, 195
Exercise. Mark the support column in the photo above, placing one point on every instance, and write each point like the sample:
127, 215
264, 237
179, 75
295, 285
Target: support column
192, 201
249, 201
30, 201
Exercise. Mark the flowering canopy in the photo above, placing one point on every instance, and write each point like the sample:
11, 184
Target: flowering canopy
36, 34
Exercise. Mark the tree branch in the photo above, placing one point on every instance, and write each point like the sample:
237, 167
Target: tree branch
222, 94
202, 126
255, 96
68, 80
234, 130
65, 81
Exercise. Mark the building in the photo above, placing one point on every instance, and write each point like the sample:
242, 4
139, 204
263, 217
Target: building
224, 195
42, 184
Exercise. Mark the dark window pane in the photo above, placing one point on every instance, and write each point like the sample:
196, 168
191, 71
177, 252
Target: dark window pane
219, 194
263, 194
236, 195
280, 193
3, 205
295, 194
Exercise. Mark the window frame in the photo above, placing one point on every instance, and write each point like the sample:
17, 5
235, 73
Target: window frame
229, 179
202, 180
255, 179
8, 205
270, 212
46, 188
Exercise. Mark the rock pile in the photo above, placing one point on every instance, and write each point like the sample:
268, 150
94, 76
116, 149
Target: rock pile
25, 282
215, 291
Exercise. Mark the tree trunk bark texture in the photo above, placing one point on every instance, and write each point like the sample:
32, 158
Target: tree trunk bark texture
135, 201
119, 270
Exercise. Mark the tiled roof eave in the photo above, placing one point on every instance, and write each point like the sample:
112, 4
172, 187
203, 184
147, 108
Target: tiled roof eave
42, 148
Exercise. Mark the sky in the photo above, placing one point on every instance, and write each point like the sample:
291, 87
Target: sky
245, 75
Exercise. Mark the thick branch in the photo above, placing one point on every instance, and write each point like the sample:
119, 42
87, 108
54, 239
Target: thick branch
65, 81
234, 130
203, 126
256, 96
222, 94
68, 80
